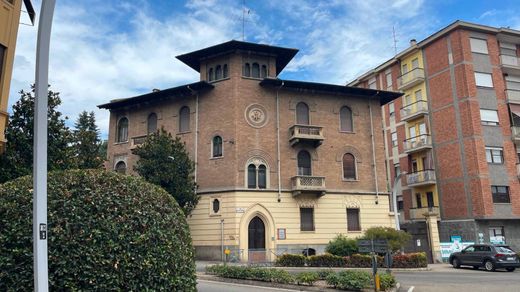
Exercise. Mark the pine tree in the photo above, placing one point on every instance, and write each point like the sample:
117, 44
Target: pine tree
87, 142
18, 157
165, 162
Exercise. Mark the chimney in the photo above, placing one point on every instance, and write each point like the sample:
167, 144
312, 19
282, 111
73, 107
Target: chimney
156, 90
413, 42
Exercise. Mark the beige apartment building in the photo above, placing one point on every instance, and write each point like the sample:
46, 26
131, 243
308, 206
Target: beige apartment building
10, 11
280, 164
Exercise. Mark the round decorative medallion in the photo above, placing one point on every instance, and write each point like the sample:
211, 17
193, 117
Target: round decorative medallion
256, 115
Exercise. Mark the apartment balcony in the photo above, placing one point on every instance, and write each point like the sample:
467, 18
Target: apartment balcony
422, 213
414, 110
306, 134
513, 96
308, 184
409, 79
510, 64
515, 133
421, 178
417, 143
137, 140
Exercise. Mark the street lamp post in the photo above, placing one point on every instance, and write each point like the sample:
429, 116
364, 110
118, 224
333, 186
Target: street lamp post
41, 277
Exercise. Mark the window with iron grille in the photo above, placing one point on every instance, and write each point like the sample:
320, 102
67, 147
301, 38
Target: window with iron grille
353, 219
307, 219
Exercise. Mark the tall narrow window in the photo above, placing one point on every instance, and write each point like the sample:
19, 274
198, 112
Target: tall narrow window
415, 63
246, 71
217, 146
218, 72
429, 200
2, 55
225, 72
304, 163
251, 176
349, 166
353, 219
302, 114
255, 70
263, 73
345, 116
418, 200
262, 177
307, 219
152, 123
391, 109
121, 167
122, 130
184, 119
216, 206
211, 77
389, 80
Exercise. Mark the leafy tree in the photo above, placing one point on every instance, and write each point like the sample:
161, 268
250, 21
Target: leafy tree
17, 160
164, 161
342, 246
87, 143
396, 238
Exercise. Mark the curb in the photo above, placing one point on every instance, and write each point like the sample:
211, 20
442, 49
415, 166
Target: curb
337, 269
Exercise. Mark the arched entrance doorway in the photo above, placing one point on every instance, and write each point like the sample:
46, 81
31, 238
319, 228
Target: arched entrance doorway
256, 240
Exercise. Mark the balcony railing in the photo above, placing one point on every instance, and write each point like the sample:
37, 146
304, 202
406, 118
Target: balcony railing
515, 132
414, 110
138, 140
308, 183
421, 178
421, 213
417, 143
513, 96
409, 79
306, 133
510, 64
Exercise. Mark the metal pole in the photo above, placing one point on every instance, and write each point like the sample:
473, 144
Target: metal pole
41, 278
394, 198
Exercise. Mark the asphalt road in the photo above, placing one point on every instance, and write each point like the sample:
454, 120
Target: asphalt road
445, 278
210, 286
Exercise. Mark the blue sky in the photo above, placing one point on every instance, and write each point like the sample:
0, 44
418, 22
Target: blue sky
102, 49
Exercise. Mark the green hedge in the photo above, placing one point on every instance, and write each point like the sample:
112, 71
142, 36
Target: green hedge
350, 280
251, 273
410, 260
105, 232
290, 260
325, 260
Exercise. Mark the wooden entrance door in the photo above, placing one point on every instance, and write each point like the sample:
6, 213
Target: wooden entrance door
256, 240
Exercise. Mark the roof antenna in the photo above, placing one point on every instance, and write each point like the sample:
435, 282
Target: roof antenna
395, 40
244, 11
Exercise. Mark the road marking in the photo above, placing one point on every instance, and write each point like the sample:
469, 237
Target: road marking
245, 285
411, 289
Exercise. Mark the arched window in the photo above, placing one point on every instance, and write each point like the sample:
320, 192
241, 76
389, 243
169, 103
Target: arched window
262, 177
225, 73
152, 123
251, 176
218, 72
217, 146
211, 77
349, 166
304, 163
216, 206
121, 167
302, 114
263, 73
346, 121
246, 71
122, 130
255, 71
184, 119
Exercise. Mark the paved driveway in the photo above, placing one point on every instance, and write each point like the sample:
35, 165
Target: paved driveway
445, 278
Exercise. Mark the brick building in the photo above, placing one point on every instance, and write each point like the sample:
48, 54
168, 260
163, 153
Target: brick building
453, 133
280, 164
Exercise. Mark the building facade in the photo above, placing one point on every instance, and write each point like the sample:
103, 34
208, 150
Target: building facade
9, 20
281, 165
453, 134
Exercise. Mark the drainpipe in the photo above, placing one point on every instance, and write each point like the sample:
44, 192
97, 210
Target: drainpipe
373, 147
278, 143
222, 239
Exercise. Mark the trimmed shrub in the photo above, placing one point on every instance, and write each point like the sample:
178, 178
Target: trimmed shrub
290, 260
251, 273
350, 280
105, 232
387, 281
307, 278
396, 238
362, 261
410, 260
342, 246
325, 260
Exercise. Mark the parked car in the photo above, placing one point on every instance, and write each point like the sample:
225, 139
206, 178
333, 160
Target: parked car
489, 256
